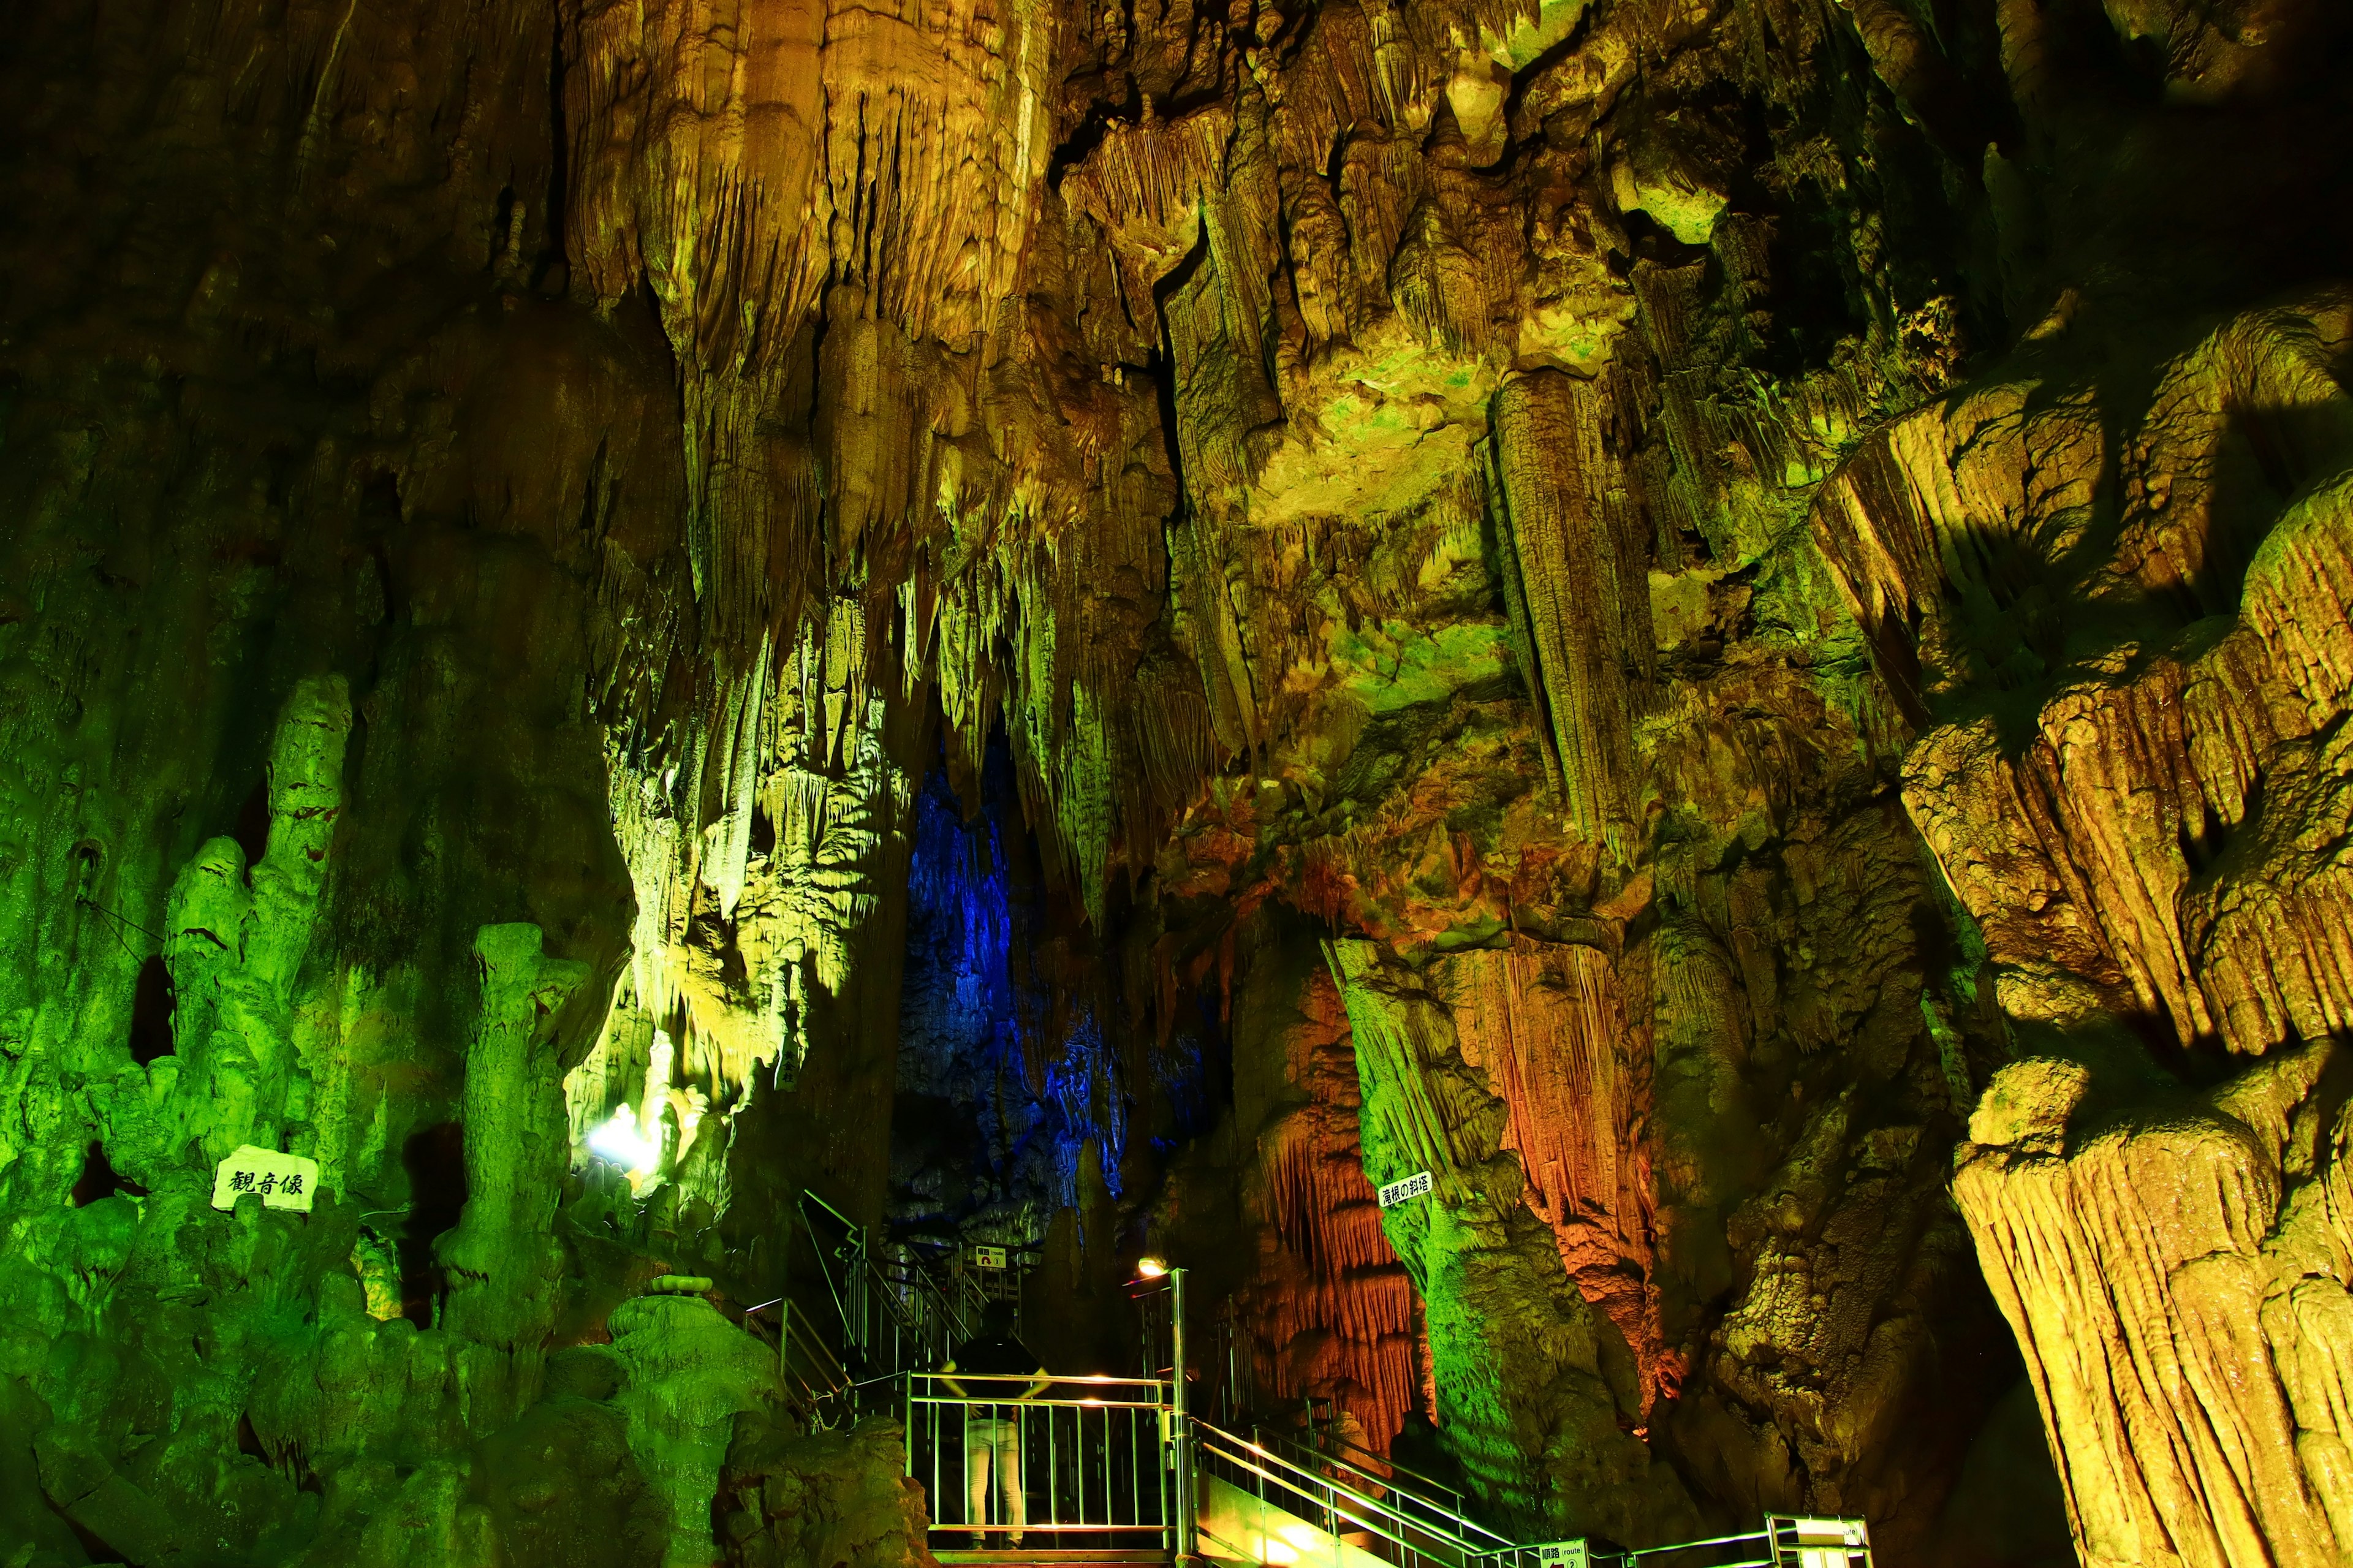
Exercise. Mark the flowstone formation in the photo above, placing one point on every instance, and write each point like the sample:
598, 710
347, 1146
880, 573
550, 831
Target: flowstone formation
1721, 624
2141, 803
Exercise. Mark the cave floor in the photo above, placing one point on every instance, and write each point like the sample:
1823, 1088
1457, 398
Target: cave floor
1055, 1557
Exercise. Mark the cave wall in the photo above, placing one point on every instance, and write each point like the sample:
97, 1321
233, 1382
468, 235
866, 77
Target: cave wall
2131, 792
1723, 624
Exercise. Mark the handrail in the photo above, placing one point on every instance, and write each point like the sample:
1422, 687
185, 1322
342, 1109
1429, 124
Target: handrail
1337, 1503
1419, 1531
1086, 1377
821, 1379
837, 1376
1431, 1530
1613, 1557
894, 1292
1762, 1537
1088, 1456
1346, 1447
1152, 1395
810, 1194
1435, 1517
1767, 1548
1427, 1483
919, 1278
852, 1247
1457, 1509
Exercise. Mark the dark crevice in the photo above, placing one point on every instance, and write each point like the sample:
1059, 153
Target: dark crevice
252, 829
502, 231
2202, 846
153, 1003
1515, 97
1162, 366
435, 1159
93, 1545
99, 1179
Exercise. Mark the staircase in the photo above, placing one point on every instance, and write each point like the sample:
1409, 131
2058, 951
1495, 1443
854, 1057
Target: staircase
884, 1311
1267, 1499
1115, 1470
1106, 1482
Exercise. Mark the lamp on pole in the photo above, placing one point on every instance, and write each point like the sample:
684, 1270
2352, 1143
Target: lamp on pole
1181, 1434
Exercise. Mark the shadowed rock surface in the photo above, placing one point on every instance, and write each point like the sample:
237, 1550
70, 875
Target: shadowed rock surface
1726, 624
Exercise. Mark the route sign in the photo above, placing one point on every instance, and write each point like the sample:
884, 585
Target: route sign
1414, 1186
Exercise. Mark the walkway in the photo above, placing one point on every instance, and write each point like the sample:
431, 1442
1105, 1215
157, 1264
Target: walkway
1103, 1470
1112, 1472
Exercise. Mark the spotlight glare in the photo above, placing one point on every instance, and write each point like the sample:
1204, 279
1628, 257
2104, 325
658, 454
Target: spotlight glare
1151, 1267
619, 1141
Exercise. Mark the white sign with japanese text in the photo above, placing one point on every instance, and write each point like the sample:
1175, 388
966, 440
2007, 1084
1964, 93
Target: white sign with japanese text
282, 1180
1564, 1555
1414, 1186
988, 1258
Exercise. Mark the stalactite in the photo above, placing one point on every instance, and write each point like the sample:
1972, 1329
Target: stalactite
1759, 572
1338, 1289
1473, 1259
1577, 579
1547, 1028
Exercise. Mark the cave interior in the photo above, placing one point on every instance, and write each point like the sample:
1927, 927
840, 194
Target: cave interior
1583, 744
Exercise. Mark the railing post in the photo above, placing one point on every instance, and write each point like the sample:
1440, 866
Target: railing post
1182, 1458
785, 1318
861, 1330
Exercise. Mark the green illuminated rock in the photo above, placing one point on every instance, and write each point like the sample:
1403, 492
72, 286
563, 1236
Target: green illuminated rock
502, 1261
688, 1374
1532, 1381
873, 585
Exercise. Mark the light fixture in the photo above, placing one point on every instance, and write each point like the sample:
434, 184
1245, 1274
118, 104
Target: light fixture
1150, 1267
619, 1141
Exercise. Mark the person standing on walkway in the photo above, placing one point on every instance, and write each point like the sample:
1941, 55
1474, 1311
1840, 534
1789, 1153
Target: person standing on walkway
992, 1431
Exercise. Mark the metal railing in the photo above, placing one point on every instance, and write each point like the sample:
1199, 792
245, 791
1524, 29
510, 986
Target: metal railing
839, 1244
926, 1310
1104, 1468
1801, 1543
814, 1383
1415, 1501
899, 1311
1788, 1541
1314, 1444
1093, 1465
1085, 1462
1344, 1500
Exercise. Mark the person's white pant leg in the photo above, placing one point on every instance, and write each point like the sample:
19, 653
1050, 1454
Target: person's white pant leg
978, 1443
1008, 1479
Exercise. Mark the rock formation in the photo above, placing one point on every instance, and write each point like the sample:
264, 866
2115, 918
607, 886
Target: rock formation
2142, 825
1722, 623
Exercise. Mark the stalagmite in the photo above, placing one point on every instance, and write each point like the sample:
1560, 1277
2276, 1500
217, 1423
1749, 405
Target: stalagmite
710, 660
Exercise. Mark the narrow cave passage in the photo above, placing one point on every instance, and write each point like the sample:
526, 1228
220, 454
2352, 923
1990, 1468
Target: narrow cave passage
1545, 776
1049, 1076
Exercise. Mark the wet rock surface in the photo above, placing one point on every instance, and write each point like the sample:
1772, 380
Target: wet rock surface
1723, 624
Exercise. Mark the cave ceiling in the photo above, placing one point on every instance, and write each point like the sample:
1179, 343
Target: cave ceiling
1725, 622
